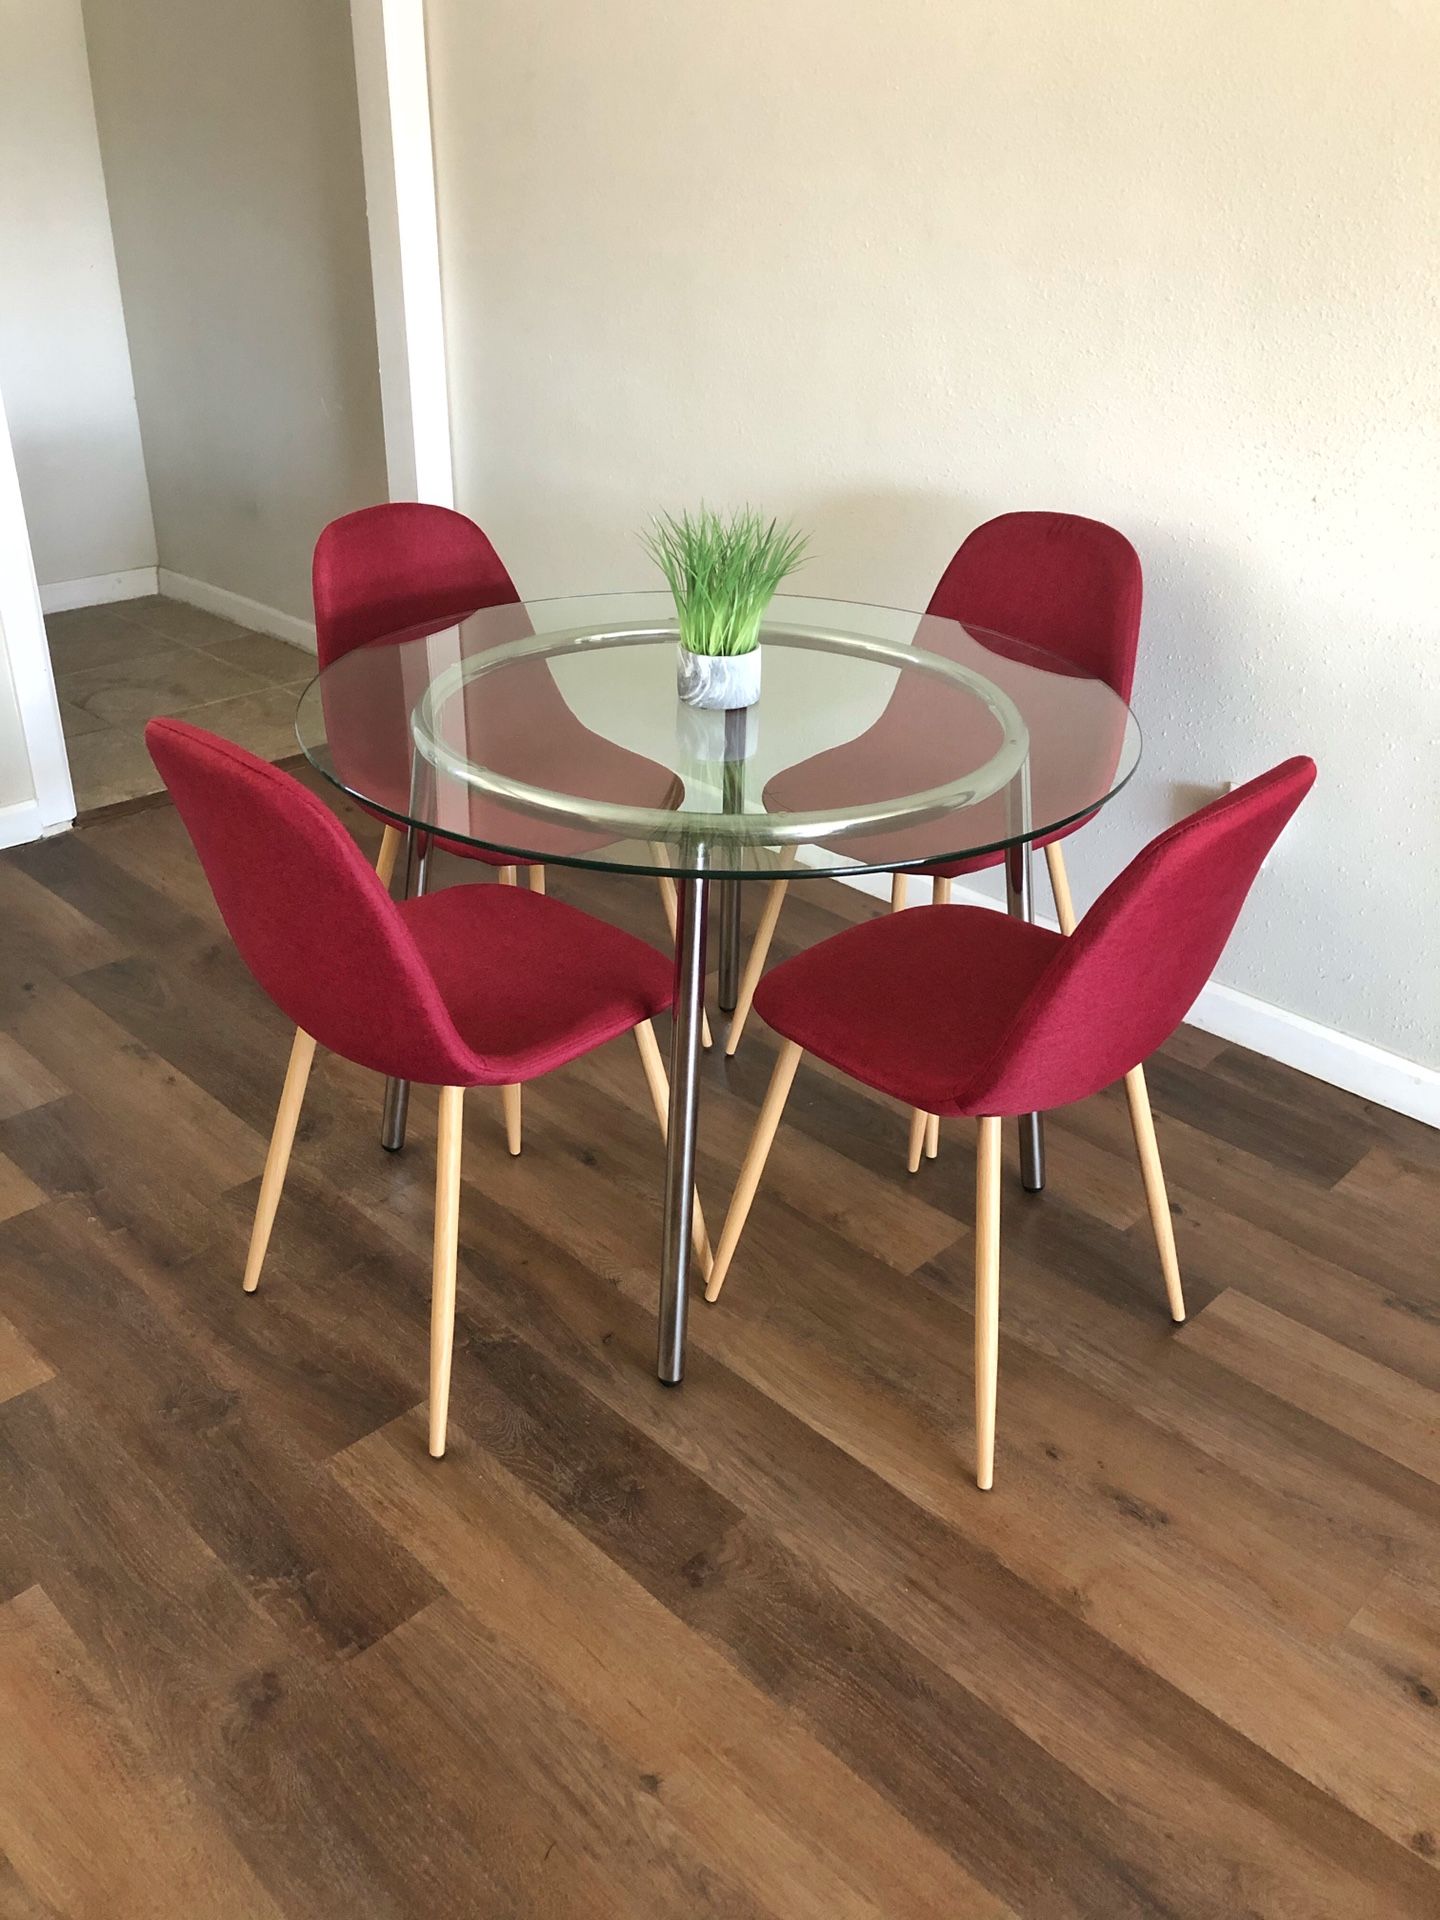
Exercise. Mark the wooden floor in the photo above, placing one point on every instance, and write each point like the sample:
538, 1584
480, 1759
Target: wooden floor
755, 1647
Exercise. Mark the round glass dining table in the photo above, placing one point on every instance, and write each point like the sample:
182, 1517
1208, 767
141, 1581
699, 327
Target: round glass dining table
550, 732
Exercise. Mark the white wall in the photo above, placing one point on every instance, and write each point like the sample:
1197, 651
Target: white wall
895, 269
232, 157
17, 587
35, 792
64, 362
16, 782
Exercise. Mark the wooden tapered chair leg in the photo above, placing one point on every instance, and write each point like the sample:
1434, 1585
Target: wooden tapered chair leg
1142, 1125
755, 962
756, 1154
668, 902
899, 891
1142, 1121
924, 1127
987, 1297
510, 1106
447, 1249
1060, 887
282, 1138
510, 1096
390, 842
658, 1082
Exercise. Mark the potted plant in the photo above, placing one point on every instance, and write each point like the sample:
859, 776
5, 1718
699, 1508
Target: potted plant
723, 574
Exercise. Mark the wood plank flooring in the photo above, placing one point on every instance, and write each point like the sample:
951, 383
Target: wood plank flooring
755, 1648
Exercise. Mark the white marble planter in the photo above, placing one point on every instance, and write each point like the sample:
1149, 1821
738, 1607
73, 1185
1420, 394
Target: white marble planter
718, 683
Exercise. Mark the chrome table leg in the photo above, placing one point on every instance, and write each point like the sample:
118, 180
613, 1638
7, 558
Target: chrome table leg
680, 1139
1020, 899
733, 799
729, 891
397, 1092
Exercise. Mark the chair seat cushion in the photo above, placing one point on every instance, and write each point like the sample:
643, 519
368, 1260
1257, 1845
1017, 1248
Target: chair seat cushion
915, 1004
531, 983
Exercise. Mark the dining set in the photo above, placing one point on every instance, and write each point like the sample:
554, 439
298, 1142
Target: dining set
529, 735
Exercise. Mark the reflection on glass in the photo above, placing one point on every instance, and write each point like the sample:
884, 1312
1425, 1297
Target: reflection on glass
881, 738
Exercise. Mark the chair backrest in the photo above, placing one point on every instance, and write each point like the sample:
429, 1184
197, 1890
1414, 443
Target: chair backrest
312, 921
1134, 967
397, 568
1057, 581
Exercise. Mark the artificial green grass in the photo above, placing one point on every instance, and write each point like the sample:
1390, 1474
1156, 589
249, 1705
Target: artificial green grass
723, 572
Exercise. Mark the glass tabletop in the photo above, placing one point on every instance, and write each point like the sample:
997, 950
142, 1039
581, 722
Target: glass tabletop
552, 731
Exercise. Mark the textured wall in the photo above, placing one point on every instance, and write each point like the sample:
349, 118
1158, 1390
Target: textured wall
896, 268
232, 156
64, 362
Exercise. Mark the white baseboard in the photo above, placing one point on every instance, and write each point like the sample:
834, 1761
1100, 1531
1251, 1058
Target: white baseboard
62, 596
234, 606
1324, 1053
25, 821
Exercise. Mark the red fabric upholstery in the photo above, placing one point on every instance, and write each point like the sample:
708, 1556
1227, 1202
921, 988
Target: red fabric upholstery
382, 572
1071, 587
530, 982
905, 1002
403, 570
1058, 582
961, 1010
476, 986
395, 572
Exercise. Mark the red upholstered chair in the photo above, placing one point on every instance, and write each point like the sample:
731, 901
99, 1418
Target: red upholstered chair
401, 566
404, 569
960, 1010
401, 570
472, 986
1056, 581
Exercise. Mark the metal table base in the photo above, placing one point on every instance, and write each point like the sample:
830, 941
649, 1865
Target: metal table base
1020, 900
692, 907
692, 915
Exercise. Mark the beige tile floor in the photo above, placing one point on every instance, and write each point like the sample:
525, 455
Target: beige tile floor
118, 666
